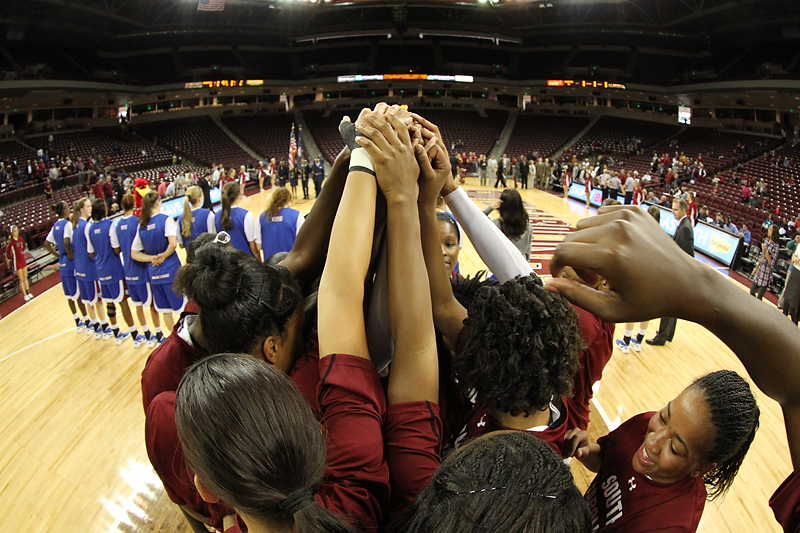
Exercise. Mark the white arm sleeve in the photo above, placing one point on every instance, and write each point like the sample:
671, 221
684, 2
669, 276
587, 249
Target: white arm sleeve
89, 246
137, 243
249, 227
171, 227
300, 220
497, 252
212, 225
68, 230
112, 235
257, 229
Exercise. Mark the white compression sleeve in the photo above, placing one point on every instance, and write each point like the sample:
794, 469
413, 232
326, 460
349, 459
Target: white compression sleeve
494, 248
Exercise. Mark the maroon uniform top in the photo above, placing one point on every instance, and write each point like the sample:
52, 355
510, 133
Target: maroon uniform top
97, 190
621, 499
15, 252
412, 437
108, 190
599, 338
785, 504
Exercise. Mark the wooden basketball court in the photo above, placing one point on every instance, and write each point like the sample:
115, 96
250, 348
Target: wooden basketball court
72, 424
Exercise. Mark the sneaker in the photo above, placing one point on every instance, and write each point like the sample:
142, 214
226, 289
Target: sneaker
121, 336
98, 333
107, 333
623, 347
161, 340
139, 340
637, 346
81, 326
151, 342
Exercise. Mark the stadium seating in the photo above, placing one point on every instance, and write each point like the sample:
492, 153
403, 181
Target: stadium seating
542, 134
267, 135
34, 216
621, 137
199, 139
80, 144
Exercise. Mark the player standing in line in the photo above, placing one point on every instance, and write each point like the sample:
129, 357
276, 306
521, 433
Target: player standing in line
277, 227
59, 243
109, 270
122, 236
236, 221
86, 271
155, 243
195, 218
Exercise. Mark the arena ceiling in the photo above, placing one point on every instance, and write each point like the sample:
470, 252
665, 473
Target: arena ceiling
657, 42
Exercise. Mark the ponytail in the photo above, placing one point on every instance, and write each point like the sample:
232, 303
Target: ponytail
279, 199
230, 193
77, 205
270, 467
148, 202
192, 194
58, 208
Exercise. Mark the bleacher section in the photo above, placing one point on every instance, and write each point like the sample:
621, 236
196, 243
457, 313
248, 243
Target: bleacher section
80, 144
267, 135
325, 131
34, 217
621, 137
542, 134
199, 139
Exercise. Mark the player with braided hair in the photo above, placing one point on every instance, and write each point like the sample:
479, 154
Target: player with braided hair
509, 482
656, 470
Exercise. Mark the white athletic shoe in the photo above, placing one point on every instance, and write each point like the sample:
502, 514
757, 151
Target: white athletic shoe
637, 346
139, 340
81, 326
623, 347
151, 342
107, 333
121, 336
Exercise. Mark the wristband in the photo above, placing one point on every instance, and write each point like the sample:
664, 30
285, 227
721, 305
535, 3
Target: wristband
359, 158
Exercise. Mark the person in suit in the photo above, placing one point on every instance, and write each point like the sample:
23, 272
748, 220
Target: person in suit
319, 175
205, 186
684, 237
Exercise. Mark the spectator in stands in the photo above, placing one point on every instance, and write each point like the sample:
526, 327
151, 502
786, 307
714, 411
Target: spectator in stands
181, 184
730, 226
513, 220
766, 264
757, 202
170, 192
216, 174
162, 188
664, 202
791, 246
48, 189
108, 193
97, 188
454, 162
745, 193
745, 234
768, 222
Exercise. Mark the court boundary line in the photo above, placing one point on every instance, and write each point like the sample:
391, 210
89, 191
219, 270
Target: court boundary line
34, 344
23, 305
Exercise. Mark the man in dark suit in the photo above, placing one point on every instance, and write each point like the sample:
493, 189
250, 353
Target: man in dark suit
684, 237
204, 184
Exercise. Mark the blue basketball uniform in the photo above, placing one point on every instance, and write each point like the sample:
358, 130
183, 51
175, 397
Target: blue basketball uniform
85, 267
278, 234
66, 267
154, 241
135, 272
109, 267
199, 225
238, 236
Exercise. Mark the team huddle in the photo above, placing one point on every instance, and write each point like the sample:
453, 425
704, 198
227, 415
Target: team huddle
336, 375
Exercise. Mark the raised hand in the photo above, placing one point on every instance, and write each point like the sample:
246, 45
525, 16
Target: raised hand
647, 275
389, 147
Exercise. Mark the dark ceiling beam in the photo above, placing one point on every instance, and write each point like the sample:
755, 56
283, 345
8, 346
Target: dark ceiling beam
711, 11
92, 11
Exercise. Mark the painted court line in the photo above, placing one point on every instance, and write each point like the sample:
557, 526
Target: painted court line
35, 343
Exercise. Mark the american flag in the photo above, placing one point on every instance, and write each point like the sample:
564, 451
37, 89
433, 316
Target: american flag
211, 5
292, 149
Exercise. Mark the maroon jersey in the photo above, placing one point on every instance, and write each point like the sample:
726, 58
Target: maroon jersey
412, 437
353, 407
168, 363
621, 499
599, 338
166, 456
305, 373
15, 253
785, 504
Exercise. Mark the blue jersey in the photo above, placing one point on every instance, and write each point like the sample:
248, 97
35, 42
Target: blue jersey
278, 234
85, 267
109, 266
135, 271
65, 264
199, 225
238, 236
155, 242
